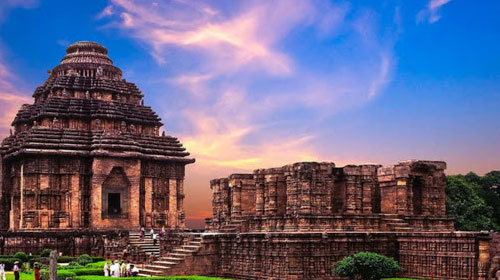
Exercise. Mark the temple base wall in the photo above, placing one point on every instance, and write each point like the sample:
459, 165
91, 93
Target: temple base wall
69, 243
281, 255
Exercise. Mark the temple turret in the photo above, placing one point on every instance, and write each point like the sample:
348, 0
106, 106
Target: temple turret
88, 153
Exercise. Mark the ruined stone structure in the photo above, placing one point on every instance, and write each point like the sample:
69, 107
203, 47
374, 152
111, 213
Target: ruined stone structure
296, 221
319, 196
89, 155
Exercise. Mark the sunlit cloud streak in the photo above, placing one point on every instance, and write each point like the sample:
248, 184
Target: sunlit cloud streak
237, 99
431, 12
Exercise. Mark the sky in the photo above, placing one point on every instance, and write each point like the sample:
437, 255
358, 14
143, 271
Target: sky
257, 84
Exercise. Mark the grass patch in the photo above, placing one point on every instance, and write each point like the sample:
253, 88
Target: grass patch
9, 275
190, 277
401, 279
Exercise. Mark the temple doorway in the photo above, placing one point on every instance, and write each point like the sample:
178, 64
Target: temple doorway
114, 204
116, 195
417, 196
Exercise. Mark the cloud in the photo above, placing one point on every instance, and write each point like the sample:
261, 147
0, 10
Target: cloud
10, 101
7, 5
431, 12
249, 83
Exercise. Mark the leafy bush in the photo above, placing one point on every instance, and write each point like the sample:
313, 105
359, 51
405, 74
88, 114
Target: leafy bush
97, 259
22, 256
72, 265
45, 253
61, 274
367, 265
84, 259
9, 263
88, 271
96, 264
64, 259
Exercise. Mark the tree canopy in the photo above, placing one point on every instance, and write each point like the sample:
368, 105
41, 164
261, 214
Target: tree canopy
474, 201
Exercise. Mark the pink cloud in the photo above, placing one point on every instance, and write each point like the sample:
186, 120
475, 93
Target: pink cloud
228, 127
431, 12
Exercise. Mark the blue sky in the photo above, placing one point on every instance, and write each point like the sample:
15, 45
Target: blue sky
248, 84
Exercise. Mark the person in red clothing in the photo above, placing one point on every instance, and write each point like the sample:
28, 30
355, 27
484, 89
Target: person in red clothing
37, 271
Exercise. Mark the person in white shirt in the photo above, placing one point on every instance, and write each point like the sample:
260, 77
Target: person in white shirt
106, 270
2, 271
135, 270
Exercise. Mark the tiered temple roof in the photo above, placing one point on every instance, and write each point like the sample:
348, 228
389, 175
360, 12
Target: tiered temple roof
86, 108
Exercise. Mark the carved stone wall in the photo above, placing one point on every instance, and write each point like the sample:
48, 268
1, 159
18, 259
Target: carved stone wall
310, 196
311, 255
69, 243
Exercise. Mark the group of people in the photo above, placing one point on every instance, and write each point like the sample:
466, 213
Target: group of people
153, 234
115, 269
15, 269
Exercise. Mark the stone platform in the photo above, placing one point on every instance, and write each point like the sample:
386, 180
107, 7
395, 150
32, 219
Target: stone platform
311, 255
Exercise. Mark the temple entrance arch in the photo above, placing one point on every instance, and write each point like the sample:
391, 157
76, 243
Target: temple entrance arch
417, 195
115, 195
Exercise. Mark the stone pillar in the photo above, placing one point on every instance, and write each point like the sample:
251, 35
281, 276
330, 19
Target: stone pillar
401, 175
259, 199
483, 259
236, 197
148, 202
180, 203
350, 195
74, 200
305, 197
53, 265
272, 185
172, 204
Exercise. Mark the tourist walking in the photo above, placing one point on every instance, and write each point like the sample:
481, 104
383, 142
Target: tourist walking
155, 238
152, 231
37, 271
106, 269
16, 270
2, 271
143, 232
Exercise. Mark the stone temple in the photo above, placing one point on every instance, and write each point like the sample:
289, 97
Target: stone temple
88, 154
86, 165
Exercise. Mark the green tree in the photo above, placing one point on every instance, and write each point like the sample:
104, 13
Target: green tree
367, 265
491, 194
466, 206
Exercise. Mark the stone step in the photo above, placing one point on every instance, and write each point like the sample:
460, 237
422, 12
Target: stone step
172, 259
185, 251
156, 267
177, 254
190, 247
403, 229
167, 263
148, 271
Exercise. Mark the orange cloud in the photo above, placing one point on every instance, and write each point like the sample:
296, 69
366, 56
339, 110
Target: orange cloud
11, 99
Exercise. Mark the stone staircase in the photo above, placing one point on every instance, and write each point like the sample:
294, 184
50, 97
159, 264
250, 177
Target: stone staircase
146, 245
166, 265
232, 226
396, 224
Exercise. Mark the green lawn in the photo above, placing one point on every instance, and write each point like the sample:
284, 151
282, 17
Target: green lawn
26, 276
192, 277
400, 279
